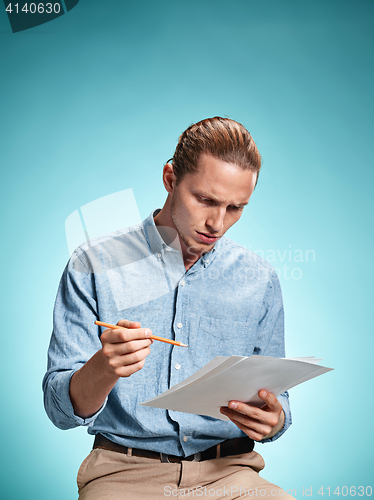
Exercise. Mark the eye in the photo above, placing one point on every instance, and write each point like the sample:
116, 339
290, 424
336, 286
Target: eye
234, 208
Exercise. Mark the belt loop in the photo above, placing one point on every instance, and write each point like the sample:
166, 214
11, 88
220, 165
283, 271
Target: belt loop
129, 452
218, 451
164, 458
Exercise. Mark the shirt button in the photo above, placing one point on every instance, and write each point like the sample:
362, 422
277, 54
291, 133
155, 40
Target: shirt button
159, 255
179, 325
183, 282
207, 261
177, 366
185, 438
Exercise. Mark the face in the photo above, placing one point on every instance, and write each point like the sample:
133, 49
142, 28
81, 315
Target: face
205, 204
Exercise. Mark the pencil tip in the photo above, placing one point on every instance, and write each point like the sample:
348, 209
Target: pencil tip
184, 345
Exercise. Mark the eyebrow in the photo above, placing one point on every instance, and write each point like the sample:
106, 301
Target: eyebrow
216, 200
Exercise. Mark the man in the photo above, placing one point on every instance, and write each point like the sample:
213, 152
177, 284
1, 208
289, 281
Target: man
176, 276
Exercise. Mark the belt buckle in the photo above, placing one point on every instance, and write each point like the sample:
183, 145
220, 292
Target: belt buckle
165, 458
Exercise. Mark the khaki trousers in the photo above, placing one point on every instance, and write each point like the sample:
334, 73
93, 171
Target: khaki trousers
108, 475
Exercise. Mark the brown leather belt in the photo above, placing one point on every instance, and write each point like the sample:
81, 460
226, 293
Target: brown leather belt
235, 446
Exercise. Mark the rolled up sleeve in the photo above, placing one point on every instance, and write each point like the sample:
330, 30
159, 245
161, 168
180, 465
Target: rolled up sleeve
57, 401
75, 339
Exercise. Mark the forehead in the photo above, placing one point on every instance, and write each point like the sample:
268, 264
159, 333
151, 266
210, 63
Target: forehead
225, 182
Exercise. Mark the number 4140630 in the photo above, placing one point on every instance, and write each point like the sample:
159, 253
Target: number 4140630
33, 8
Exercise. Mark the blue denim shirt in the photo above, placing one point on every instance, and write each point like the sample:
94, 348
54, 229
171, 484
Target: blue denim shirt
228, 302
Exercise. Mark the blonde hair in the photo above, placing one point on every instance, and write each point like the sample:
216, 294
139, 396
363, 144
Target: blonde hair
222, 138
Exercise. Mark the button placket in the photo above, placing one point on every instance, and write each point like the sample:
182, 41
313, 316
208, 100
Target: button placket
176, 374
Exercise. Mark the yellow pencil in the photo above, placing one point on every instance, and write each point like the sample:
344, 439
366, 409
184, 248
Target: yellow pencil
153, 337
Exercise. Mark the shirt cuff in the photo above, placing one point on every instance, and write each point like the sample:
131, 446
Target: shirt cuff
283, 399
63, 411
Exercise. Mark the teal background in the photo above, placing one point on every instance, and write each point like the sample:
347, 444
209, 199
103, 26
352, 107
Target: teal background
94, 102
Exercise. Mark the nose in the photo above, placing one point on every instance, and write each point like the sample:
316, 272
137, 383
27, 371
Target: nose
215, 220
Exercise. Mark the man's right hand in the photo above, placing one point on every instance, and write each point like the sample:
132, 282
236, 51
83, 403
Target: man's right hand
123, 353
125, 349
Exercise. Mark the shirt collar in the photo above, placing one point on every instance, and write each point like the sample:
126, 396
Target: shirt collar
157, 244
152, 235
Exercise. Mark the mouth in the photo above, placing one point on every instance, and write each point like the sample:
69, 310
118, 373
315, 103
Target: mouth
207, 238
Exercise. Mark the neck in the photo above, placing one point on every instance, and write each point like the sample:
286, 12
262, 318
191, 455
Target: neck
167, 230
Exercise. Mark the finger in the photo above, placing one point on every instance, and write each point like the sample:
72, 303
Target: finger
238, 417
126, 371
134, 324
253, 430
267, 417
128, 323
126, 334
250, 411
251, 433
258, 426
121, 348
270, 399
119, 361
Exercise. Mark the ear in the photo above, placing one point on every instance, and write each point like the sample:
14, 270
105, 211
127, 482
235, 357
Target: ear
168, 177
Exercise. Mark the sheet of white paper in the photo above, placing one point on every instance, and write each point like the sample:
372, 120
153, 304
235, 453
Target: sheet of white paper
308, 359
215, 366
240, 379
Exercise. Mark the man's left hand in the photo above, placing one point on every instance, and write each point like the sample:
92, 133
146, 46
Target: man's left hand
257, 423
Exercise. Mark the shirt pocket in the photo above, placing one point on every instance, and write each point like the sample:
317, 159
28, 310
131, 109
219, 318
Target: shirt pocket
220, 337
